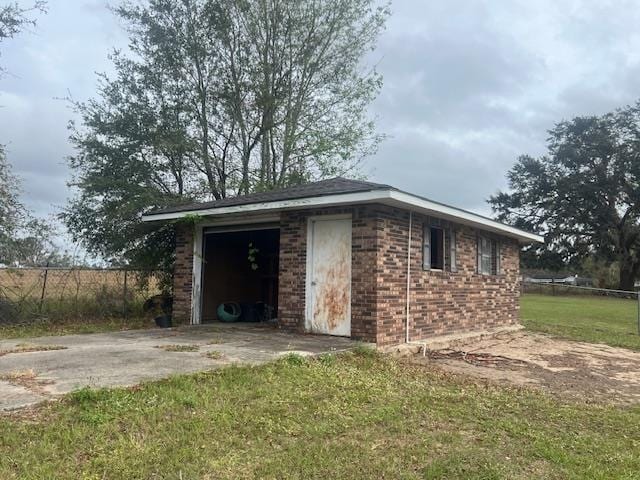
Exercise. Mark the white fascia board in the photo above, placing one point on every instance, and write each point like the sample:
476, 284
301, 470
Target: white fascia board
386, 197
311, 202
461, 216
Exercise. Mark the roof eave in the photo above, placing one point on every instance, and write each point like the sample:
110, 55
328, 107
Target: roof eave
387, 197
428, 207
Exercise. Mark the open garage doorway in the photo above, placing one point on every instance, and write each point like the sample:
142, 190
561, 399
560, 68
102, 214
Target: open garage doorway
240, 270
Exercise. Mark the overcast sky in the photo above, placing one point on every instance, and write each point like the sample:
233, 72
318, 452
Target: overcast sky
468, 86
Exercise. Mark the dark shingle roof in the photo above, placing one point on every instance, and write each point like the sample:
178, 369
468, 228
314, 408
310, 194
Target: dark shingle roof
332, 186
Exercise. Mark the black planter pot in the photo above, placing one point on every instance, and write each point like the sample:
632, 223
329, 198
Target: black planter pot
164, 321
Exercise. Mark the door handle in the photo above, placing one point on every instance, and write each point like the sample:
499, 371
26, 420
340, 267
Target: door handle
313, 283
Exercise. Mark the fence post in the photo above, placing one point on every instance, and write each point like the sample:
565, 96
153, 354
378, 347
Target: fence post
44, 287
638, 312
124, 297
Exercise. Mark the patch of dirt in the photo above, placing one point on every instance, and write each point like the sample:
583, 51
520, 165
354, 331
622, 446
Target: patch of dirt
214, 355
27, 348
590, 372
27, 379
179, 348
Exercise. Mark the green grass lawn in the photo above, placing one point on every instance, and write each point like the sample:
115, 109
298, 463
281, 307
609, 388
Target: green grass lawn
71, 326
586, 318
353, 416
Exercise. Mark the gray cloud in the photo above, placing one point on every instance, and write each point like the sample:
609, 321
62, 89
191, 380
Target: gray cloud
56, 59
469, 85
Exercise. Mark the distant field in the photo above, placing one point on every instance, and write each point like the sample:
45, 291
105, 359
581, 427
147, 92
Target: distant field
592, 319
71, 300
22, 283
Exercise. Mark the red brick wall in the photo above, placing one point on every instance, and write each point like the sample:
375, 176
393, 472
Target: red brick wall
441, 302
293, 258
183, 274
292, 266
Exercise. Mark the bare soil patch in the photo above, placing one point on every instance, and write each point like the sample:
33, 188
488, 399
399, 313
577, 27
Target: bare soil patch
27, 379
588, 371
29, 348
179, 348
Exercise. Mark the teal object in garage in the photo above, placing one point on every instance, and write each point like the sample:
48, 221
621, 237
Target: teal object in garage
229, 312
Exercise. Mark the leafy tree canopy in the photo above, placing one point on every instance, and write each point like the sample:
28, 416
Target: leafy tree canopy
218, 98
584, 195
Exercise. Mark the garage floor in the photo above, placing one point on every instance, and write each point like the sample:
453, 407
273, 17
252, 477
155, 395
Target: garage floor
37, 369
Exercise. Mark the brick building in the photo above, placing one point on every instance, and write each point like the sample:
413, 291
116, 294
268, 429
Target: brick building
346, 257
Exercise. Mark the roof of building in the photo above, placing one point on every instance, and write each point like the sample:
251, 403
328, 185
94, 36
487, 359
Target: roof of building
333, 192
331, 186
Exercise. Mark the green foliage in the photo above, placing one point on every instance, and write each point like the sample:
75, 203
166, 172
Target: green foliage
71, 325
11, 210
357, 418
603, 273
15, 17
214, 355
327, 359
87, 396
217, 98
191, 219
583, 195
252, 256
365, 351
294, 359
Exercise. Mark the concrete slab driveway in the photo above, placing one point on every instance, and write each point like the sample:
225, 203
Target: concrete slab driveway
37, 369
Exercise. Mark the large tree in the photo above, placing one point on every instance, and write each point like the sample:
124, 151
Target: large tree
218, 98
584, 195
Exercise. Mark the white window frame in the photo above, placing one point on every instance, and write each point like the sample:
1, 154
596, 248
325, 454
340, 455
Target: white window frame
493, 246
426, 247
484, 250
453, 251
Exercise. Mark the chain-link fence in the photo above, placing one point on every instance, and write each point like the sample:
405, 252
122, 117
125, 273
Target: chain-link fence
563, 289
29, 294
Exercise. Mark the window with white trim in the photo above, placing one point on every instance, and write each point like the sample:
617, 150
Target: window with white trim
452, 250
488, 256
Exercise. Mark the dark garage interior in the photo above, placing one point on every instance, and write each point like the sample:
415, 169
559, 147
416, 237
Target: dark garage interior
241, 267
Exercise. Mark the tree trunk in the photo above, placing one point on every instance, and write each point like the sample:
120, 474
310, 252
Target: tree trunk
627, 276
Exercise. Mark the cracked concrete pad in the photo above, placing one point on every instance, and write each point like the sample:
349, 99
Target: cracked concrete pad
131, 357
16, 396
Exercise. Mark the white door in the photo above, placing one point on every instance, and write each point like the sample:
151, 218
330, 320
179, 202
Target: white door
329, 276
